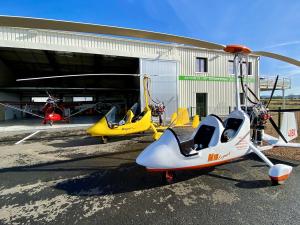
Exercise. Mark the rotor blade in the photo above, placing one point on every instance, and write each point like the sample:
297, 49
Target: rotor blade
35, 23
169, 101
284, 110
21, 110
77, 75
277, 129
84, 109
278, 57
273, 90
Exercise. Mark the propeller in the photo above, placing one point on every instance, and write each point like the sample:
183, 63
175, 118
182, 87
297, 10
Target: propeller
273, 90
36, 23
277, 129
265, 108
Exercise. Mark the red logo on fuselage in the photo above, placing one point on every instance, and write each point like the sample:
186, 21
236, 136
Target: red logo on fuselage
292, 133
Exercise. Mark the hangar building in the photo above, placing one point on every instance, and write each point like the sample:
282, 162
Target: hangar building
181, 75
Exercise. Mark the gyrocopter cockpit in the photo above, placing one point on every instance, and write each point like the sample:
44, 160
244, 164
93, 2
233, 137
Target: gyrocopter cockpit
213, 131
113, 120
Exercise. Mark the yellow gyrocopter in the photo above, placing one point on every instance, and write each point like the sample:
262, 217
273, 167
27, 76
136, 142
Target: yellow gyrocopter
131, 124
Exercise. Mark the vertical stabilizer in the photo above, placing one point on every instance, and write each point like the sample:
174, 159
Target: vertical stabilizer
289, 127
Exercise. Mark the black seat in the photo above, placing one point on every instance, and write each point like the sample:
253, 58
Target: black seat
232, 124
200, 141
203, 136
138, 117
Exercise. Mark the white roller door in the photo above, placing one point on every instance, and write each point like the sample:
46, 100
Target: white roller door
163, 74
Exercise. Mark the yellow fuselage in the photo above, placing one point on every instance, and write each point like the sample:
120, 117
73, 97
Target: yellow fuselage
102, 128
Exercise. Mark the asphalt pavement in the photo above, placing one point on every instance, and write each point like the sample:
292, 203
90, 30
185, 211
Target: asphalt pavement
108, 187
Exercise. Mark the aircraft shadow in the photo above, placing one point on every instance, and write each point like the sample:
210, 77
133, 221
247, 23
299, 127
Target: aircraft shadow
246, 184
86, 141
78, 142
274, 160
128, 177
59, 165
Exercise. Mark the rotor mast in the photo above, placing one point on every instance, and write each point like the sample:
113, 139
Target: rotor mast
239, 52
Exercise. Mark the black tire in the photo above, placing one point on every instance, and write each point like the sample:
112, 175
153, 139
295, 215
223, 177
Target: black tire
275, 182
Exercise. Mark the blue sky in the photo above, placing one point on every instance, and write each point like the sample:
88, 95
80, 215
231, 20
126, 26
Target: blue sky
260, 24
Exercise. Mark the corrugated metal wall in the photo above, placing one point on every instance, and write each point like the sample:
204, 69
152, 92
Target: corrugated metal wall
75, 42
220, 93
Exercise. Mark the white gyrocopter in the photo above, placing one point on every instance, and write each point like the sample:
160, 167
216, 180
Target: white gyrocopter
216, 142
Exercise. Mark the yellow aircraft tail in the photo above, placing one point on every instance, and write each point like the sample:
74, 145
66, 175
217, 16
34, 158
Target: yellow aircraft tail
181, 118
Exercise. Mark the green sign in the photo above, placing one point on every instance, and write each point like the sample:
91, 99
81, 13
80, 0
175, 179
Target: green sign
213, 78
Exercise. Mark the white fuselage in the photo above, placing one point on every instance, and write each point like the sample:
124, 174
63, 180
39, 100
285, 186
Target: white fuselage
166, 153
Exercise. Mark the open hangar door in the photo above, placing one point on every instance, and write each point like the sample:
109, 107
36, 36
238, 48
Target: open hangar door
18, 63
163, 88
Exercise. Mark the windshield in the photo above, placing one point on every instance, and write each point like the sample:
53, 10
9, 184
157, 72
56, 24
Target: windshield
111, 116
135, 109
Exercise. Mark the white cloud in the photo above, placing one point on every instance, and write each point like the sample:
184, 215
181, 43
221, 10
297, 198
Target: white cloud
288, 43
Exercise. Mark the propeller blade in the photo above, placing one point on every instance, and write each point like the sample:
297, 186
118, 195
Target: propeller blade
249, 89
35, 23
277, 129
273, 90
46, 93
284, 110
278, 57
76, 75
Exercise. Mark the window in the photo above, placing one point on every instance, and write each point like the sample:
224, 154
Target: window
39, 99
242, 98
242, 68
83, 99
201, 65
230, 67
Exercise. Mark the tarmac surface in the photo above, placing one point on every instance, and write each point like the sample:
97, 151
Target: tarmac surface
71, 178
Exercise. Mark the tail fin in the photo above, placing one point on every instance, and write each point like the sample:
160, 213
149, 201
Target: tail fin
289, 127
196, 121
182, 117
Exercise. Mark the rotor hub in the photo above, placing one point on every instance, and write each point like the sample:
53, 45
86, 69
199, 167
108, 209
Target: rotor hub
237, 49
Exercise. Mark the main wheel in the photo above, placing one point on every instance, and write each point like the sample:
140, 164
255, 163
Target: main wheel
168, 177
276, 182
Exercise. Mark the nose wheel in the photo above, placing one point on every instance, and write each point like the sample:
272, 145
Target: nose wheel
168, 177
104, 139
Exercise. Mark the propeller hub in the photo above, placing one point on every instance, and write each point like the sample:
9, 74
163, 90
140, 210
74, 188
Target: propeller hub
237, 49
